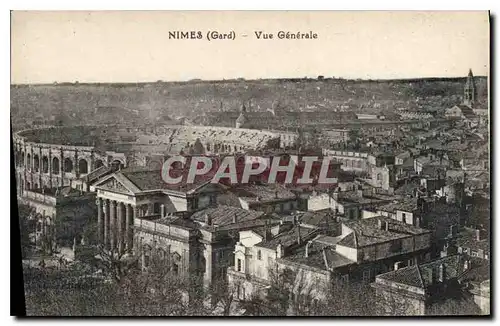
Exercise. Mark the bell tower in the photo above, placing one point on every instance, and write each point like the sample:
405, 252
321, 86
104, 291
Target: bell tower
241, 119
470, 90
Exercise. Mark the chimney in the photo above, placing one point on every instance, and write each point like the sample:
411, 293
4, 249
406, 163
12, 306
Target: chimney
276, 194
208, 220
235, 218
162, 210
478, 235
307, 248
299, 239
441, 273
396, 265
387, 224
279, 251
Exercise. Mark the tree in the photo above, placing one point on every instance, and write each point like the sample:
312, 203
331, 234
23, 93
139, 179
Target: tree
26, 227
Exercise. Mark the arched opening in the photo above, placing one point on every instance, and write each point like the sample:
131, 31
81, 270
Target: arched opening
22, 159
68, 165
29, 163
116, 164
55, 165
83, 166
28, 186
36, 163
45, 164
98, 164
36, 186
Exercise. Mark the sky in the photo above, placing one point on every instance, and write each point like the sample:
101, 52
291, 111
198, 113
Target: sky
133, 46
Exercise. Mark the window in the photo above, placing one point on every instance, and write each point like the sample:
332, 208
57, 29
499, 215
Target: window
146, 261
403, 217
259, 255
175, 269
241, 293
238, 265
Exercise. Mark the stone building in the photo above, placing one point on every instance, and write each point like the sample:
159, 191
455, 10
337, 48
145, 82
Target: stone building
132, 193
346, 251
417, 289
199, 246
61, 214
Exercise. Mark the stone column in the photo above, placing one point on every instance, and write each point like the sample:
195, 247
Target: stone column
106, 222
92, 162
99, 220
40, 168
76, 166
128, 227
61, 168
119, 227
50, 168
112, 224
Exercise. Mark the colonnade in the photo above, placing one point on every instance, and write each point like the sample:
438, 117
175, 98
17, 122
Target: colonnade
115, 224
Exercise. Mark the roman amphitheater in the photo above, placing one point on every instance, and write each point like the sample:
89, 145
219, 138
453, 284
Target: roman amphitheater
55, 156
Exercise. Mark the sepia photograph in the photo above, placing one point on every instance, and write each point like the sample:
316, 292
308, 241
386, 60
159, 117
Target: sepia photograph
251, 163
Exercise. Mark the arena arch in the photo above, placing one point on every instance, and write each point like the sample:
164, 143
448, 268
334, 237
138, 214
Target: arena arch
117, 164
36, 163
45, 164
55, 165
98, 164
68, 165
83, 166
29, 164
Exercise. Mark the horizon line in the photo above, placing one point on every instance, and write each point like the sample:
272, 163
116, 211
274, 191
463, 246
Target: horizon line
241, 79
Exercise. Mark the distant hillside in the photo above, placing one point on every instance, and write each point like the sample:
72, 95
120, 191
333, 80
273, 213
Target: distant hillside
154, 101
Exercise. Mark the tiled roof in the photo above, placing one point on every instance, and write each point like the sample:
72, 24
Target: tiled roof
317, 218
349, 240
97, 173
290, 237
422, 275
407, 205
224, 215
263, 192
467, 239
147, 179
367, 232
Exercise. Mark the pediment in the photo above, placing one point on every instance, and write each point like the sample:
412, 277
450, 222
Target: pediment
113, 184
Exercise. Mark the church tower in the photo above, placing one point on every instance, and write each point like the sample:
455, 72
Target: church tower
241, 119
469, 90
